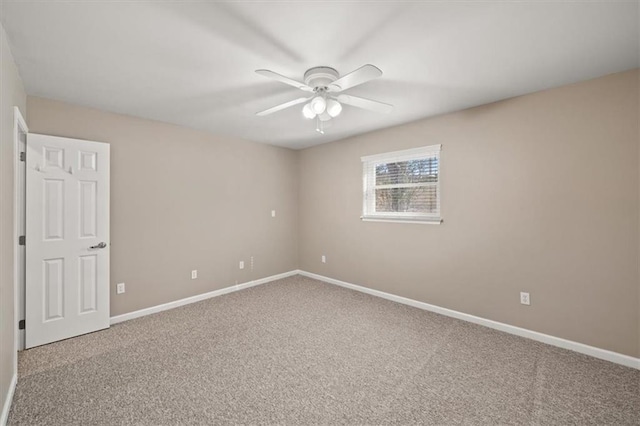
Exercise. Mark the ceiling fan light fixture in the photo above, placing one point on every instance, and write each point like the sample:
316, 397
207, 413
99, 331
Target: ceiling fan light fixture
334, 108
308, 112
318, 104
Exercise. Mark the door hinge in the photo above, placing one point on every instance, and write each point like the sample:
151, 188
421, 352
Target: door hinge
21, 325
23, 156
21, 240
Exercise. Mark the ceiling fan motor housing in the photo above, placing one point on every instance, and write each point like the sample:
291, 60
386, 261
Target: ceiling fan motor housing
320, 77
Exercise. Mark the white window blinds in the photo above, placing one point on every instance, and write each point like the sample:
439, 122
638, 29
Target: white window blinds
403, 185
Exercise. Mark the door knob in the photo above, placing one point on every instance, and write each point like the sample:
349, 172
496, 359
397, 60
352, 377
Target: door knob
99, 246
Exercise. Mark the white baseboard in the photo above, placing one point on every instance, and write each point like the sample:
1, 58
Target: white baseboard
7, 401
159, 308
604, 354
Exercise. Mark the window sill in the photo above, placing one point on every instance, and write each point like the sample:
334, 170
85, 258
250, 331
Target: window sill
426, 221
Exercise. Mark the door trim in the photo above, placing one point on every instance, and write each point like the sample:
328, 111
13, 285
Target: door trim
19, 126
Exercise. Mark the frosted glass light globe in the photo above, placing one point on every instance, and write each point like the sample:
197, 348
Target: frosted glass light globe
334, 108
308, 112
318, 104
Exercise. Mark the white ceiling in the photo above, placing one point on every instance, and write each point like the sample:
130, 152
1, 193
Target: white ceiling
192, 63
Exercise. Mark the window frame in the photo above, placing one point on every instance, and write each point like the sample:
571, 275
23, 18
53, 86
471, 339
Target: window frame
369, 164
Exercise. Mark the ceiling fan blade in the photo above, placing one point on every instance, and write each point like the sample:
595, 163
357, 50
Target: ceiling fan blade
365, 103
361, 75
286, 80
282, 106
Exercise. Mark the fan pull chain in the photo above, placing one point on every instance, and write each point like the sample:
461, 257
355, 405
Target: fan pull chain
319, 126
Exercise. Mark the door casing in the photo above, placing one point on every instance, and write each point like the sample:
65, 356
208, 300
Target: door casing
20, 131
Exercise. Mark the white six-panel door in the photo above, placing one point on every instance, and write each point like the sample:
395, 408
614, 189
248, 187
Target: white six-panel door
67, 238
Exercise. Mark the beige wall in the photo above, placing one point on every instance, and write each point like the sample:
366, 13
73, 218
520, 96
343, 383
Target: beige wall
539, 194
11, 94
182, 200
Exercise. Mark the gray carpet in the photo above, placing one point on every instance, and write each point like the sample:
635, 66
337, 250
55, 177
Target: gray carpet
299, 351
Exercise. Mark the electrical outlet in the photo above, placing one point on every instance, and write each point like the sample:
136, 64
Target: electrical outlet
324, 259
273, 213
194, 274
524, 298
252, 263
120, 288
241, 264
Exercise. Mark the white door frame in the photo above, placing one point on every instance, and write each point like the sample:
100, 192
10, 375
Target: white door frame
19, 193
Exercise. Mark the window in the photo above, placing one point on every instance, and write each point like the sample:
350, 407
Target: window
402, 185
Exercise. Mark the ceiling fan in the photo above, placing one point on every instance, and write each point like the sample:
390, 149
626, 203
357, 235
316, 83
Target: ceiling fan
325, 98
